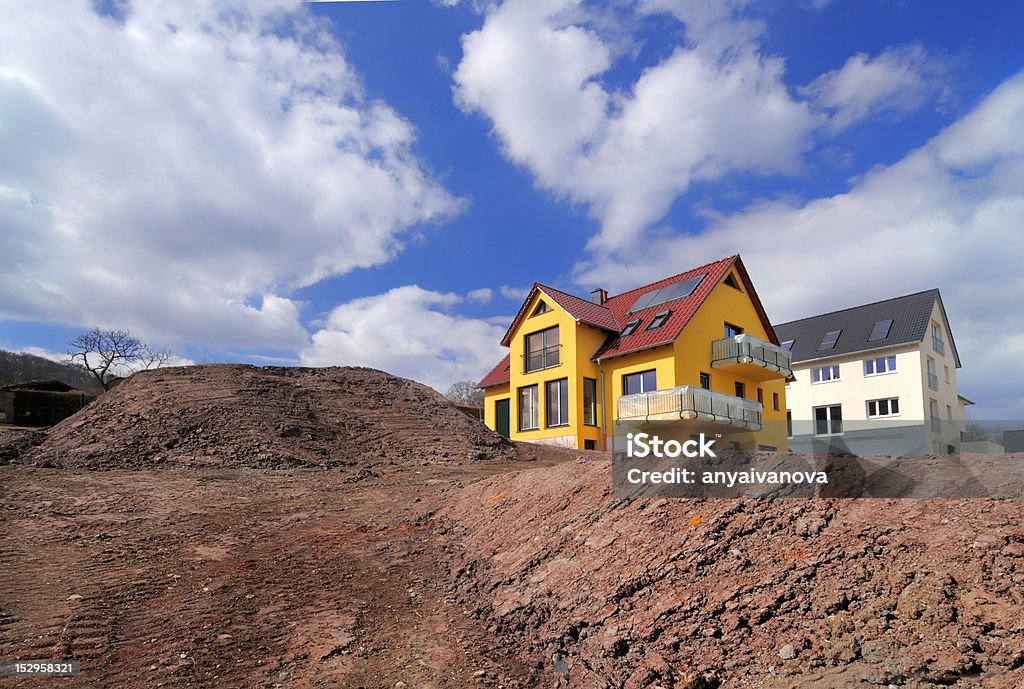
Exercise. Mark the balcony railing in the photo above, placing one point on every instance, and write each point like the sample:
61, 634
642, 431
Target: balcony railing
691, 403
744, 349
542, 358
933, 381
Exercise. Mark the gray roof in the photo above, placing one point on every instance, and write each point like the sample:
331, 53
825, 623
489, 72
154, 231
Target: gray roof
910, 315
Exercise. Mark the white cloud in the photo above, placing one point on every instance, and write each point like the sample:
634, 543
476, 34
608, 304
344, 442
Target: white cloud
948, 215
481, 296
894, 83
179, 170
514, 293
714, 105
410, 332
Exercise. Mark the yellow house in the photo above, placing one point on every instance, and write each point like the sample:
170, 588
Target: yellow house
695, 346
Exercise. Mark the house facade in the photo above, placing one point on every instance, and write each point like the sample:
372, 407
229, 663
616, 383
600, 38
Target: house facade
875, 379
696, 346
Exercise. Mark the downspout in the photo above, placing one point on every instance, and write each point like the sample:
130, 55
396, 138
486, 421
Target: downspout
604, 410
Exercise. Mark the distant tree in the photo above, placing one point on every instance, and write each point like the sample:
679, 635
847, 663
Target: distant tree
466, 392
974, 432
109, 354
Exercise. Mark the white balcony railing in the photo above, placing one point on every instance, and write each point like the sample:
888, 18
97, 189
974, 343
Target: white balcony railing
690, 403
745, 349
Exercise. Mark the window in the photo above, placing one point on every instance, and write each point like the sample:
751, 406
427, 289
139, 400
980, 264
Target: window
947, 372
731, 281
760, 396
880, 331
542, 349
933, 379
542, 307
823, 374
787, 345
830, 339
732, 330
767, 448
589, 402
886, 407
828, 420
949, 413
529, 414
883, 364
789, 423
741, 390
659, 320
645, 381
589, 445
933, 412
775, 401
705, 380
937, 343
556, 393
629, 328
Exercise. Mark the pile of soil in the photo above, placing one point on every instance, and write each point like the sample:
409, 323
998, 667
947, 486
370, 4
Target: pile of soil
711, 592
269, 417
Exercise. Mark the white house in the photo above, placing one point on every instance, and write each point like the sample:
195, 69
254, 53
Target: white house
874, 379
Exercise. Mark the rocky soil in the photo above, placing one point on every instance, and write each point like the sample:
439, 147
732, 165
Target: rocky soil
345, 528
762, 593
270, 417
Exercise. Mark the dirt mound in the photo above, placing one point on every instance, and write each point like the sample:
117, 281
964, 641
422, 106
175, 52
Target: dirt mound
712, 592
273, 417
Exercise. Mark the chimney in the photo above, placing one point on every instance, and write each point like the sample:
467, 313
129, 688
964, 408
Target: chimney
599, 296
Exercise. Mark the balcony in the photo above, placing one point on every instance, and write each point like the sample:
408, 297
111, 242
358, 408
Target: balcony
690, 403
541, 359
753, 358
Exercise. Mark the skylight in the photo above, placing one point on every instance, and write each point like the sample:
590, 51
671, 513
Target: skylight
629, 328
657, 297
659, 319
880, 331
830, 339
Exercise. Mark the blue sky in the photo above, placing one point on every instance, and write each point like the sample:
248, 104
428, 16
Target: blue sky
377, 183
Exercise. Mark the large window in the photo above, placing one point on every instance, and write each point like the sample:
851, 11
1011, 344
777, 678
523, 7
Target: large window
529, 413
933, 378
645, 381
933, 413
542, 349
740, 389
887, 407
705, 381
937, 344
883, 364
732, 330
789, 423
824, 374
556, 393
589, 402
828, 420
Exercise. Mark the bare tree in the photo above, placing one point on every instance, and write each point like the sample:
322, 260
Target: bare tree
975, 432
466, 392
108, 354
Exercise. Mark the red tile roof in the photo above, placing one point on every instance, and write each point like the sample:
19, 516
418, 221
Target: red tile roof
613, 315
498, 375
682, 310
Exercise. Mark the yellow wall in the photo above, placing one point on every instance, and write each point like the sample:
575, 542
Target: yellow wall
492, 395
